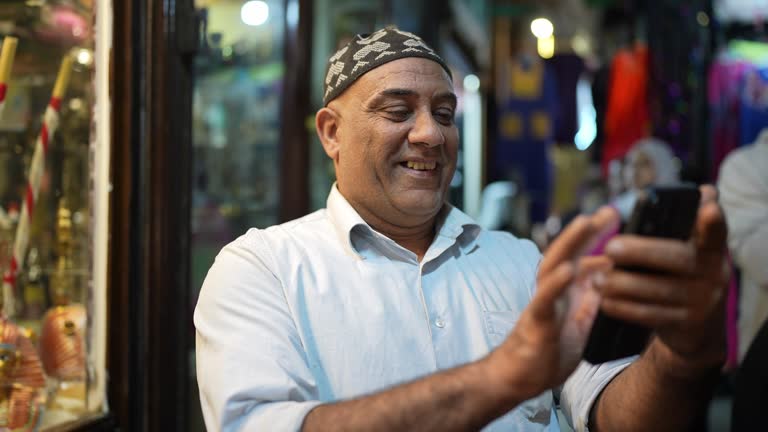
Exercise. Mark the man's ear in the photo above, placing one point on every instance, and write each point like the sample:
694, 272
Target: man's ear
327, 126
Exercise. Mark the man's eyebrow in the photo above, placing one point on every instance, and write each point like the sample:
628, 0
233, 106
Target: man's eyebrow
398, 93
450, 96
405, 93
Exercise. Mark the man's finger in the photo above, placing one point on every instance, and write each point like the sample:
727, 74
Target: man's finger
711, 229
648, 315
563, 248
644, 288
708, 194
578, 236
663, 255
591, 264
550, 288
606, 218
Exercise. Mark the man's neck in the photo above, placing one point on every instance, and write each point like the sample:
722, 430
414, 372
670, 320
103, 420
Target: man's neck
415, 237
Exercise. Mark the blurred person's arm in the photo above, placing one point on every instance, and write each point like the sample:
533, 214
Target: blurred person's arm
743, 188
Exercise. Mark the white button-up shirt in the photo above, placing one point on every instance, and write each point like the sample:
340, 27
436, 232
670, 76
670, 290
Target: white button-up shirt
324, 308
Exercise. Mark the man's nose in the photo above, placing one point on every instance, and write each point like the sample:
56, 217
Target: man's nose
426, 131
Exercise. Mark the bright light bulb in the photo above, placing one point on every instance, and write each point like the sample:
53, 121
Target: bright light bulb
254, 13
472, 83
542, 28
84, 57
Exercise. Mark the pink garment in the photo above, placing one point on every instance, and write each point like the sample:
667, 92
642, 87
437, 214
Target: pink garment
724, 94
602, 241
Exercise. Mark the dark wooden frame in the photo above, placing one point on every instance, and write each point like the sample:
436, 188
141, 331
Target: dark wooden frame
121, 303
294, 112
149, 314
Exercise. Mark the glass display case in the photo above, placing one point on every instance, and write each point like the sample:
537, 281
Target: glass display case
51, 328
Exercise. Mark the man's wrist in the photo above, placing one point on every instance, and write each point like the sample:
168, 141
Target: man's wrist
690, 367
505, 380
493, 385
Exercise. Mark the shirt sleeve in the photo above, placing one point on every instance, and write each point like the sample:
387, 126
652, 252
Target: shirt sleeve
251, 367
744, 197
583, 387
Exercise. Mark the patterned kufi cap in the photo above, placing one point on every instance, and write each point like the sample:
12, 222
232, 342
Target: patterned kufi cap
365, 52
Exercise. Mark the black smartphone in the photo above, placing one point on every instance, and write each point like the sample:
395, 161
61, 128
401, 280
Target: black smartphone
668, 212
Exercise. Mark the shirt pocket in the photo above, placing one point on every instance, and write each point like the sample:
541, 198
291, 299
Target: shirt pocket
498, 325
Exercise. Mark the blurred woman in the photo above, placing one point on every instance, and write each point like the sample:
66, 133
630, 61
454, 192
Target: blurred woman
649, 163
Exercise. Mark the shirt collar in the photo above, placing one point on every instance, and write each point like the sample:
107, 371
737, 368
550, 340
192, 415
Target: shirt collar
344, 218
453, 224
456, 225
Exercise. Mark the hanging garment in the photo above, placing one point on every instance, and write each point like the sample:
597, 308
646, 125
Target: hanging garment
567, 69
754, 104
627, 118
726, 77
526, 122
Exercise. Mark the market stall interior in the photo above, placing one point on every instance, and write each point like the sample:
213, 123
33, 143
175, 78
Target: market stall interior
563, 106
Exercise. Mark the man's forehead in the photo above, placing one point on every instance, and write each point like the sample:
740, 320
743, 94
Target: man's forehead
408, 73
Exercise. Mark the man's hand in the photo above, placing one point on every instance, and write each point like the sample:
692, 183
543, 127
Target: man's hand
546, 344
683, 300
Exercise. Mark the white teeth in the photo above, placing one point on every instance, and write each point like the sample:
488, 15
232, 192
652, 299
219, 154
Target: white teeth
427, 166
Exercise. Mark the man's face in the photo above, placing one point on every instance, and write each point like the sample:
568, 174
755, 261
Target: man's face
643, 171
397, 141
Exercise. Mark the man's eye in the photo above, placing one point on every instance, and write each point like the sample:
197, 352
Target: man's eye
398, 114
444, 116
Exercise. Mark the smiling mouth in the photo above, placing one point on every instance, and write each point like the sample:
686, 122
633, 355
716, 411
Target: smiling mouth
420, 166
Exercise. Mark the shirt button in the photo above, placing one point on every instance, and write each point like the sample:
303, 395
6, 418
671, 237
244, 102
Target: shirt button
439, 323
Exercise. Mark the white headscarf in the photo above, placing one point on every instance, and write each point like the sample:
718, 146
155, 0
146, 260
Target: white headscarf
664, 161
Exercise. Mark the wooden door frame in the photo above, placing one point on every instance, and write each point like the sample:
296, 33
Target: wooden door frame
149, 313
294, 112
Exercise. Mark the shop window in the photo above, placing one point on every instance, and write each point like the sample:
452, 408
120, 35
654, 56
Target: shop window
52, 326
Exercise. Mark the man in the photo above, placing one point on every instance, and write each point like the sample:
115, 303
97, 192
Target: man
390, 310
743, 187
744, 194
